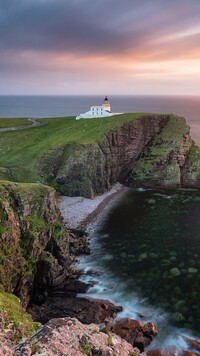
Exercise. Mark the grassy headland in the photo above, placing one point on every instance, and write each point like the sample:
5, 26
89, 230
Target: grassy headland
21, 152
74, 156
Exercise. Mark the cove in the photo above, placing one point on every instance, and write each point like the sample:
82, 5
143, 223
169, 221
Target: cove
147, 248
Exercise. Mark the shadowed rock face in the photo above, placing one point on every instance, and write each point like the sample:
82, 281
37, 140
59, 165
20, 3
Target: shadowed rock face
85, 310
32, 237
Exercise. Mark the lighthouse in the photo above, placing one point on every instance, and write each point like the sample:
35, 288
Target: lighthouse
103, 110
106, 105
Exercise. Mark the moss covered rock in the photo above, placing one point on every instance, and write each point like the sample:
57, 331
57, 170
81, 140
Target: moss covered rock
161, 161
29, 220
15, 323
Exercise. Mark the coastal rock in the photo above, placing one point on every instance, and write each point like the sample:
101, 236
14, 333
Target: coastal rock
161, 164
32, 236
84, 309
194, 344
135, 332
67, 336
168, 352
191, 170
36, 249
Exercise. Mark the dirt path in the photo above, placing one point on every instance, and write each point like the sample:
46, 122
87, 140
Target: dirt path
34, 123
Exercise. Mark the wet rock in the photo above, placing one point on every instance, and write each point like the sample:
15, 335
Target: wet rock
93, 272
194, 344
78, 243
171, 351
192, 270
85, 310
78, 232
154, 352
186, 353
175, 272
135, 332
68, 336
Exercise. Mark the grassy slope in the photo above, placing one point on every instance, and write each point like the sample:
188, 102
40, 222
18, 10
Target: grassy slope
13, 122
20, 151
15, 317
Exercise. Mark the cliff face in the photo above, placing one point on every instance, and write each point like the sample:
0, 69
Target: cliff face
162, 162
190, 172
29, 221
92, 169
152, 151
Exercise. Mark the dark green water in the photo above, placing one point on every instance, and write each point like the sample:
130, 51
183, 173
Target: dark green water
154, 240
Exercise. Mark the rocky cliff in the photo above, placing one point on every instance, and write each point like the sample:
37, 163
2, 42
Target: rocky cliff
30, 220
92, 169
36, 253
151, 151
162, 162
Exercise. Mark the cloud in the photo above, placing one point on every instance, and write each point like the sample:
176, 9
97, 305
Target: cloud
111, 27
67, 41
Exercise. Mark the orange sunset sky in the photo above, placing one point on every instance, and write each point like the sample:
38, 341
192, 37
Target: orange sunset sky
96, 46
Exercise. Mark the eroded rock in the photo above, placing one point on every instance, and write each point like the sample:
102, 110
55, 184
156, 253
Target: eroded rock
67, 336
135, 332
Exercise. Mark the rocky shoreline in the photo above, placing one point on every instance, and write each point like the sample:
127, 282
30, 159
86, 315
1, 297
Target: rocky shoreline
65, 303
49, 285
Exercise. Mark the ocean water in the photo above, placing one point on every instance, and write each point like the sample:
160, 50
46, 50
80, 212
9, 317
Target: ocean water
54, 106
146, 245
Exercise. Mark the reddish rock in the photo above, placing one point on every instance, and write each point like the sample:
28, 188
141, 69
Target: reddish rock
194, 344
150, 330
169, 352
69, 337
135, 332
155, 352
186, 353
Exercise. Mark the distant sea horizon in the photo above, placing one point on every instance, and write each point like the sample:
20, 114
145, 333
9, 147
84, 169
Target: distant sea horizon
40, 106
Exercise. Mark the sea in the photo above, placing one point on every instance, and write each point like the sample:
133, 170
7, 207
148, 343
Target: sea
146, 243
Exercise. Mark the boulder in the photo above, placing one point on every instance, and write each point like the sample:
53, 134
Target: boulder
67, 336
135, 332
84, 309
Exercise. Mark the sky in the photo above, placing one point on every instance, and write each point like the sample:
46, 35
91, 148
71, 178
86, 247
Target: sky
135, 47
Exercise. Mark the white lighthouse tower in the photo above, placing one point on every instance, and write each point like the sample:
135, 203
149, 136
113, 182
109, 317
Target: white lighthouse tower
106, 105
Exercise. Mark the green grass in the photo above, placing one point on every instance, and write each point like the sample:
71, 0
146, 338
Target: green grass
21, 151
13, 122
15, 314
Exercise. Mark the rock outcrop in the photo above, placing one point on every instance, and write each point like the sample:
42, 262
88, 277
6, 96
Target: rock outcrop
190, 172
161, 163
67, 336
135, 332
84, 309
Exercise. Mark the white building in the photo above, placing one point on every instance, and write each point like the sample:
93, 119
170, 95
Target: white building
97, 111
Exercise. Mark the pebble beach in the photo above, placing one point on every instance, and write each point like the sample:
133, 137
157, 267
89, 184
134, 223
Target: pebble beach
77, 212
